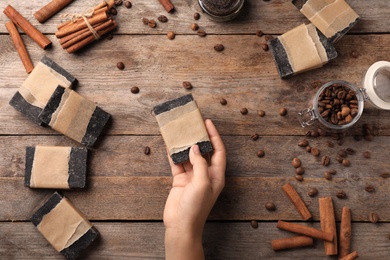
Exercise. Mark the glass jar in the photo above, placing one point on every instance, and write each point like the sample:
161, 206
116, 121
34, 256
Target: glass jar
376, 90
220, 10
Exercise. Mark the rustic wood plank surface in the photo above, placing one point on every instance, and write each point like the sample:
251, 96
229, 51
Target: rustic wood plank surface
127, 189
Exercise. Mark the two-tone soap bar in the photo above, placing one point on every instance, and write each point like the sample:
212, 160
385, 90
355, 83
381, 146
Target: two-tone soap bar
301, 49
74, 116
333, 18
36, 90
56, 167
181, 126
64, 226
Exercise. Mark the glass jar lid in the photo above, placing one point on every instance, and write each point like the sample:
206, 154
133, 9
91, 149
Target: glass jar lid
377, 84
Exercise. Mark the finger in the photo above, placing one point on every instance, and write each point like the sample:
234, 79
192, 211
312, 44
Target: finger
175, 168
218, 159
199, 164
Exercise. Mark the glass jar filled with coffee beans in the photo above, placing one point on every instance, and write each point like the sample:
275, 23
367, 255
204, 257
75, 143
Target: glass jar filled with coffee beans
220, 10
339, 104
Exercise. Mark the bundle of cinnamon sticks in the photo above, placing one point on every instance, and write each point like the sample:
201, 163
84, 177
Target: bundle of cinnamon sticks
86, 28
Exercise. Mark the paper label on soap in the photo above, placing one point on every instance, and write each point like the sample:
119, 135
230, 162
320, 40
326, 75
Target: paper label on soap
63, 225
50, 167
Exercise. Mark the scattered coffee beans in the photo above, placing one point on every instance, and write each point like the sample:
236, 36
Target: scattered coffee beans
341, 194
312, 192
303, 143
254, 224
270, 206
282, 111
329, 144
145, 21
328, 175
194, 26
314, 133
171, 35
265, 47
325, 161
219, 47
147, 150
134, 90
118, 2
261, 113
109, 36
373, 217
299, 177
128, 4
333, 172
223, 101
339, 159
268, 37
299, 170
201, 33
342, 153
120, 65
260, 153
187, 85
152, 23
113, 11
385, 175
315, 151
259, 33
350, 151
322, 132
162, 19
196, 16
244, 111
296, 162
308, 149
346, 162
367, 154
338, 104
369, 188
354, 54
255, 137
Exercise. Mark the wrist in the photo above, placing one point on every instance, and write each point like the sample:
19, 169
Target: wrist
183, 244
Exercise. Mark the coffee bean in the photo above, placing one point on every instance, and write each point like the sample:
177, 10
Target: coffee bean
194, 26
261, 113
145, 21
303, 143
333, 172
171, 35
260, 153
322, 132
314, 133
299, 171
109, 36
219, 47
201, 33
367, 154
350, 151
113, 11
147, 150
187, 85
385, 175
339, 159
282, 111
354, 54
369, 188
244, 111
329, 144
196, 16
259, 33
342, 153
134, 90
118, 2
341, 194
346, 162
223, 101
315, 151
325, 160
162, 19
296, 162
299, 177
312, 192
270, 206
152, 23
120, 65
265, 47
254, 224
268, 37
255, 137
308, 149
373, 217
328, 175
128, 4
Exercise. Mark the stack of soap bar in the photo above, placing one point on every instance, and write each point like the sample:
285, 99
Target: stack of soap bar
64, 226
333, 18
74, 116
182, 126
56, 167
301, 49
37, 89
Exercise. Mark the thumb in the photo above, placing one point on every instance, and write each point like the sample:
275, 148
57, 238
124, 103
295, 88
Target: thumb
199, 164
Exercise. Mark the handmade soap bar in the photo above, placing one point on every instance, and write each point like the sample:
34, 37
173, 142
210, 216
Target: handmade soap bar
56, 167
64, 226
333, 18
74, 116
182, 126
37, 89
301, 49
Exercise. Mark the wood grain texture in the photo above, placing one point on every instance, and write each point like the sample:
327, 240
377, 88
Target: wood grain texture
222, 240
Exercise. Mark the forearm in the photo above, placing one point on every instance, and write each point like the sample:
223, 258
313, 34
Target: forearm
183, 245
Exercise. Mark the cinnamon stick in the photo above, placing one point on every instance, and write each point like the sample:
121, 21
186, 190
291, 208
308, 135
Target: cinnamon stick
350, 256
345, 232
77, 46
74, 27
19, 45
75, 34
305, 230
293, 195
97, 11
27, 27
167, 4
328, 224
50, 9
88, 33
291, 242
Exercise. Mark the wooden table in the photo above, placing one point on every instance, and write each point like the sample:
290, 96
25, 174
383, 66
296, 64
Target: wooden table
127, 189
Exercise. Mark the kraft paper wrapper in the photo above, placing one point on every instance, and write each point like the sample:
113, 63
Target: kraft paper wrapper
50, 167
182, 127
40, 85
329, 16
63, 225
72, 115
301, 50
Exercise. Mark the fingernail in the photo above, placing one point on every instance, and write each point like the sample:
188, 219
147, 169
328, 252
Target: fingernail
195, 148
